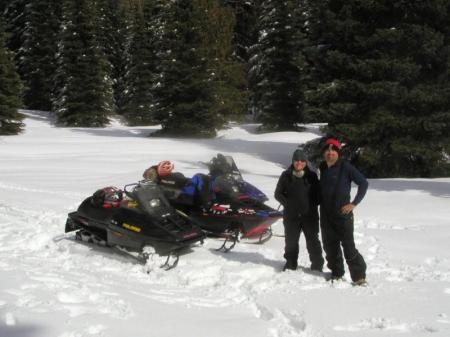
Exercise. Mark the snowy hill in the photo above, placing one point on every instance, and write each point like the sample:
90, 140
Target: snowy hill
62, 288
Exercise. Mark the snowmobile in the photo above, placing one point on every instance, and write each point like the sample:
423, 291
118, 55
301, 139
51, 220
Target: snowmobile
222, 203
138, 220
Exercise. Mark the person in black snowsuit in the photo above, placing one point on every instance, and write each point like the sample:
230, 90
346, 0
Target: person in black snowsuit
298, 191
336, 212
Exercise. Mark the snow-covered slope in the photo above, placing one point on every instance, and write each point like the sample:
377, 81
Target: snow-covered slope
61, 288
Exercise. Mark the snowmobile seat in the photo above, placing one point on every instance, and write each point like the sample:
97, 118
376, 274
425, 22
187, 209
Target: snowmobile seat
94, 211
195, 191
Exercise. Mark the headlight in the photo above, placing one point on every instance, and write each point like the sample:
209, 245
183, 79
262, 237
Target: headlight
154, 203
235, 189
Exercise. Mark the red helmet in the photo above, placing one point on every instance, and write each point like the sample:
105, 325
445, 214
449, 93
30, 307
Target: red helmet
165, 168
108, 197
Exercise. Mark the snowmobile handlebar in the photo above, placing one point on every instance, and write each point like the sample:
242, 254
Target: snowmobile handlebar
127, 189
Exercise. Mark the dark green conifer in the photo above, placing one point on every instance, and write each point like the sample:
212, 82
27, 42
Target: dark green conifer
384, 83
245, 36
15, 21
141, 75
227, 72
275, 76
37, 55
113, 17
84, 88
245, 31
183, 94
10, 90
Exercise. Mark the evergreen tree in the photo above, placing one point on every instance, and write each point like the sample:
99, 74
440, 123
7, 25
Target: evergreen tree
227, 74
15, 23
384, 68
245, 36
3, 5
141, 69
275, 76
84, 88
37, 55
10, 90
183, 94
113, 17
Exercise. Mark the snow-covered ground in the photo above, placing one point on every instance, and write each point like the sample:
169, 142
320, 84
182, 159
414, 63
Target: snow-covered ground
67, 289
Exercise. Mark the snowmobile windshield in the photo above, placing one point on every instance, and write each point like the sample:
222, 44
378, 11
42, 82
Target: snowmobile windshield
221, 165
236, 189
227, 186
151, 200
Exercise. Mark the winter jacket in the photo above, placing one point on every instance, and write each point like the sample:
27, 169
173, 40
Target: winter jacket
299, 196
335, 185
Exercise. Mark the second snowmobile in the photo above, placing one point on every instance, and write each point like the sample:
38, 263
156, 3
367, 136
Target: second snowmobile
221, 202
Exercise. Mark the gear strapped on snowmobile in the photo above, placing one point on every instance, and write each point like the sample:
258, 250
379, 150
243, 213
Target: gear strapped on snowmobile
140, 223
222, 203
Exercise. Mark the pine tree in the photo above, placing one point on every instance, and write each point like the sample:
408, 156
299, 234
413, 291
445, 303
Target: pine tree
275, 76
84, 88
227, 74
385, 79
141, 68
10, 90
245, 32
183, 94
37, 55
245, 36
113, 18
3, 5
15, 23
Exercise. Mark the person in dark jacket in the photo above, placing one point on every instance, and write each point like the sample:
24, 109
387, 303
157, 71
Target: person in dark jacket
336, 212
298, 191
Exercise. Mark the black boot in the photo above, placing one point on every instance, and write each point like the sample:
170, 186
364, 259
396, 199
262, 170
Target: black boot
316, 267
290, 264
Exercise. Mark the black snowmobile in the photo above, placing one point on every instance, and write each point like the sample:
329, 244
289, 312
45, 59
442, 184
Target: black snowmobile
140, 223
222, 203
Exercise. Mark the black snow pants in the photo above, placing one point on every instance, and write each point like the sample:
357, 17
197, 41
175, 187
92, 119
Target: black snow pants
337, 230
310, 228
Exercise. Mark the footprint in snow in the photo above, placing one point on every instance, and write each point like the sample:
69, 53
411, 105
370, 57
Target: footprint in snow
10, 320
70, 298
262, 312
443, 318
288, 324
385, 324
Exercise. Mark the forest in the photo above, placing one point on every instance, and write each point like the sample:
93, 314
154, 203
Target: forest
375, 72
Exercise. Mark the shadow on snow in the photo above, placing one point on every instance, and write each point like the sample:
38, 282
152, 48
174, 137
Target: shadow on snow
434, 188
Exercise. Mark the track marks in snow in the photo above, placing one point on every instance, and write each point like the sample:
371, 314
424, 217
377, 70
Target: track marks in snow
371, 224
10, 320
418, 273
97, 330
70, 279
431, 269
13, 187
385, 325
283, 324
74, 299
82, 280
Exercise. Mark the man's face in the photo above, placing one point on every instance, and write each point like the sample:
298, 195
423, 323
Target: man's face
299, 165
330, 155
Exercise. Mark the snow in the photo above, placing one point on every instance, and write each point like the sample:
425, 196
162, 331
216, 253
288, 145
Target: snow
54, 286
